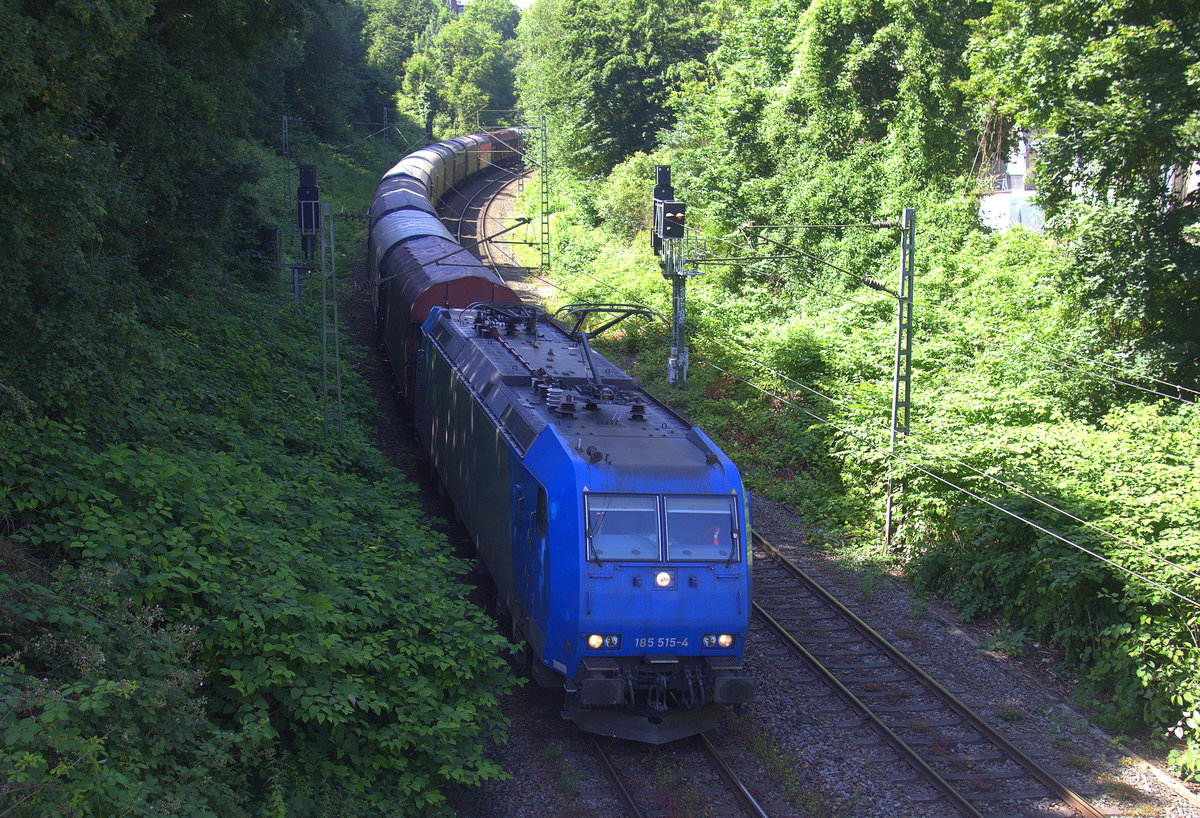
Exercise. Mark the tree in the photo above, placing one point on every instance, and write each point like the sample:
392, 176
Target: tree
392, 26
603, 73
335, 83
1111, 88
827, 112
122, 133
1111, 93
465, 65
501, 16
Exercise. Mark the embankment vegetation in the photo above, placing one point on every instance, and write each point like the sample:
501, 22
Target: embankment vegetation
782, 119
206, 607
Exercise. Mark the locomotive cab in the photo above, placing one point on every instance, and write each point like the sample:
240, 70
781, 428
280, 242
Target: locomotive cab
665, 600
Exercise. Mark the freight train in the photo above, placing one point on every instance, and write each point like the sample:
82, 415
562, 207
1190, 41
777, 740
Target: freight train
615, 531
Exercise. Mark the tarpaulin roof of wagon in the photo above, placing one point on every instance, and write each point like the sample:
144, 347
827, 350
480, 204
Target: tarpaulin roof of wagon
419, 165
444, 149
400, 226
397, 199
456, 281
402, 181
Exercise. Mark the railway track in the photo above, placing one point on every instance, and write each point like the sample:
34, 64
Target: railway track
469, 219
685, 777
970, 766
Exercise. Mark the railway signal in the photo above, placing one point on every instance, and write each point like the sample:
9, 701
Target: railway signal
669, 238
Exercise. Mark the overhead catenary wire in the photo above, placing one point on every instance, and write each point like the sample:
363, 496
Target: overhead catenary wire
893, 455
365, 138
958, 488
1024, 493
1048, 505
848, 299
1028, 495
1178, 387
862, 438
936, 449
875, 225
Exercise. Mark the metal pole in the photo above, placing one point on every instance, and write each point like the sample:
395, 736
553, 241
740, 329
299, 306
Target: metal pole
544, 174
279, 240
331, 359
677, 362
902, 373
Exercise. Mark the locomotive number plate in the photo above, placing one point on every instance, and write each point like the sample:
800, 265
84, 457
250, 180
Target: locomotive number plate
660, 642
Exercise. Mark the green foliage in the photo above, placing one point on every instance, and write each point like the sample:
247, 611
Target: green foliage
846, 111
603, 73
462, 69
103, 194
207, 535
1109, 92
624, 198
1112, 87
392, 26
335, 81
105, 705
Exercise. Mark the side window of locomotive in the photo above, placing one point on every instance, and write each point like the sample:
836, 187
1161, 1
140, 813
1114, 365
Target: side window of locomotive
701, 528
622, 527
541, 515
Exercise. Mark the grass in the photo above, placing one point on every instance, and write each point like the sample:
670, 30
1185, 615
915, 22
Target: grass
785, 768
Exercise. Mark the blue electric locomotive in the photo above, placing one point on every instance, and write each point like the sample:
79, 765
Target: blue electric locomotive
615, 531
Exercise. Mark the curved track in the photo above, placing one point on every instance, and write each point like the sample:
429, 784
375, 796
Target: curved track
972, 766
467, 215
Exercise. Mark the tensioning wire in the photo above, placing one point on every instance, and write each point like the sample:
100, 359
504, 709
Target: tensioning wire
960, 489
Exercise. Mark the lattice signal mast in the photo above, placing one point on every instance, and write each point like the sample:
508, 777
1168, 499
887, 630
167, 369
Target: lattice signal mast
670, 241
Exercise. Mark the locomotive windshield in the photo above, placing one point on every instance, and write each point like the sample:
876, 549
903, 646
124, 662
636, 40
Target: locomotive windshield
622, 527
701, 528
628, 526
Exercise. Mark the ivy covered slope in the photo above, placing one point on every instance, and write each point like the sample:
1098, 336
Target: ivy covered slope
207, 607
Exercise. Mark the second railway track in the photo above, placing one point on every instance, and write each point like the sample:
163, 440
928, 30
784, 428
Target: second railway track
972, 767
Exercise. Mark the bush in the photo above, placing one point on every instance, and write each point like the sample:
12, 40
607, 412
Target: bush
280, 594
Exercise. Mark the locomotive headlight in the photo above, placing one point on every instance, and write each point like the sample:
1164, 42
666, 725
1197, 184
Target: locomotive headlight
603, 640
664, 579
725, 640
709, 640
713, 640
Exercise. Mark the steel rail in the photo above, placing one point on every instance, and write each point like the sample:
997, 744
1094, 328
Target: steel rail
898, 744
744, 797
483, 219
618, 782
1035, 770
466, 208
